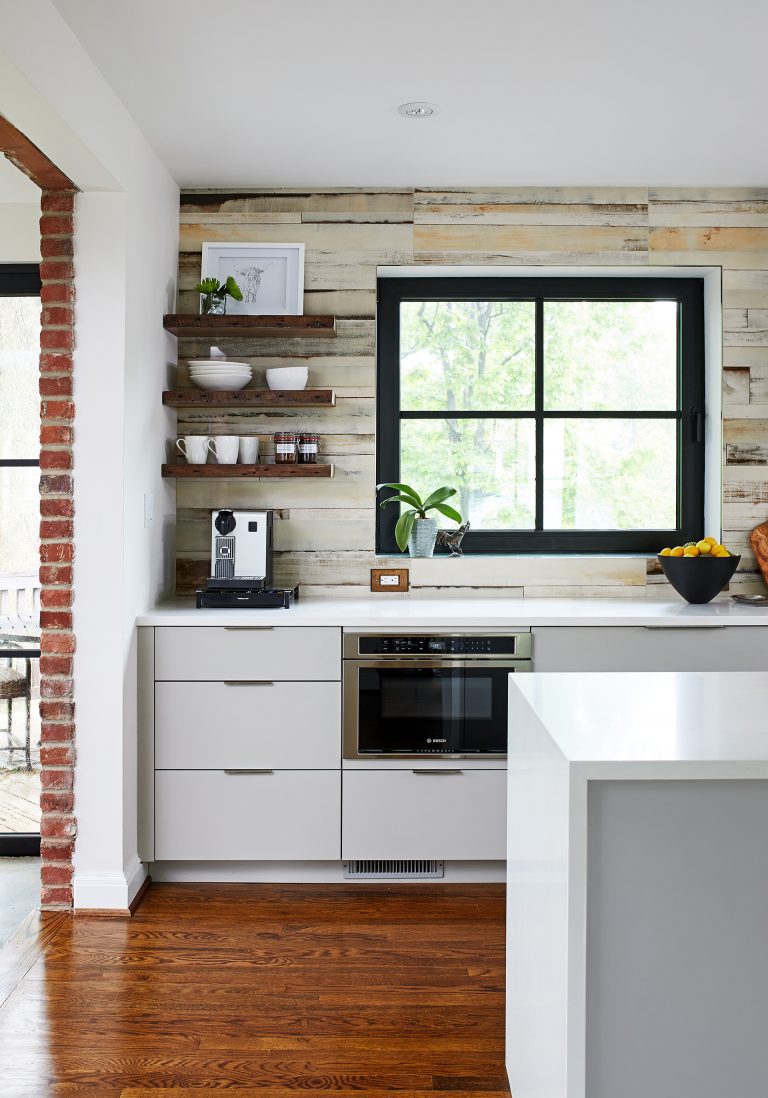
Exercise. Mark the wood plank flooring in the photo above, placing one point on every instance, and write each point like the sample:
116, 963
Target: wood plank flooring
266, 989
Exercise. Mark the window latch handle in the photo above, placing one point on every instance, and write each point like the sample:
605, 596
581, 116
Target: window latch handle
697, 423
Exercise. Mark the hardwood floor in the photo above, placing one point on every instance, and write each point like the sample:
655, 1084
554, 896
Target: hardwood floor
266, 990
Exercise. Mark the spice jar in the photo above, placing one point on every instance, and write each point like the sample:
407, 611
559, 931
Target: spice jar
309, 449
286, 450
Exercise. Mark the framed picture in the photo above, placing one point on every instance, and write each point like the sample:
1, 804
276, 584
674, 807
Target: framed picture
271, 276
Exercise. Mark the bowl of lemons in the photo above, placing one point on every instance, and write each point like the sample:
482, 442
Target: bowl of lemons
698, 570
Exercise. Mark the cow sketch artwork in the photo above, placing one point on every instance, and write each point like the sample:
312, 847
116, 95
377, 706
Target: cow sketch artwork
271, 276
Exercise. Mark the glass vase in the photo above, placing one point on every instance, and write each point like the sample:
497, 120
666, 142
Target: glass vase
213, 304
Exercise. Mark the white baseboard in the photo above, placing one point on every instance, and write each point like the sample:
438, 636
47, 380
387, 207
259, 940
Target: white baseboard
109, 891
310, 873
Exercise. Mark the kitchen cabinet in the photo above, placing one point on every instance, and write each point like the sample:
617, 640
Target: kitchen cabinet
643, 648
211, 815
240, 653
445, 814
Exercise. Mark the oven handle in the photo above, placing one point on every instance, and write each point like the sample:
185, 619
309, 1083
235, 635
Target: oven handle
415, 663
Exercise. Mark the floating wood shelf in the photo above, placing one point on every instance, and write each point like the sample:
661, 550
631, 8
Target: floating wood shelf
221, 471
187, 324
250, 398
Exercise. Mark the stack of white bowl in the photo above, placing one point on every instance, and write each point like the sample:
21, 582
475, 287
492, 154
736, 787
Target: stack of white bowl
219, 373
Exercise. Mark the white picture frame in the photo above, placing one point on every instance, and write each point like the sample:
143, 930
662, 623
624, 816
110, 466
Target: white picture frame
275, 286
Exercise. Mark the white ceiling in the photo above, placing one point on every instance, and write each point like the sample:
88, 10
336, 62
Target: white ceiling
14, 185
247, 93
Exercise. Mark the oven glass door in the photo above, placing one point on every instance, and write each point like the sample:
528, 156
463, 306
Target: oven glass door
440, 707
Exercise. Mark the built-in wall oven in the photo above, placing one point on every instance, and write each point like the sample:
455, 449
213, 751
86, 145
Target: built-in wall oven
429, 694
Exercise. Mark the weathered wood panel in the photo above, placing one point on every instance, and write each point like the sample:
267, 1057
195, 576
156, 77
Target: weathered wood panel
532, 213
736, 386
525, 240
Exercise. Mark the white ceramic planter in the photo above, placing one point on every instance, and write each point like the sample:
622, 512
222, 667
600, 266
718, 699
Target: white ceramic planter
421, 543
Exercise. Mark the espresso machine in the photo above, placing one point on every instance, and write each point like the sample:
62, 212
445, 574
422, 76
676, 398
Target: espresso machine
241, 563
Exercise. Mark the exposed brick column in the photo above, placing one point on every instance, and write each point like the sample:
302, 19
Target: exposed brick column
57, 641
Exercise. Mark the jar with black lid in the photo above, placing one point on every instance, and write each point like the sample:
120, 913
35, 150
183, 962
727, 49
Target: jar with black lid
309, 448
286, 450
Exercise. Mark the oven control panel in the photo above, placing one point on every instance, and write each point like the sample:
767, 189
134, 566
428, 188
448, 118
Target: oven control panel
438, 646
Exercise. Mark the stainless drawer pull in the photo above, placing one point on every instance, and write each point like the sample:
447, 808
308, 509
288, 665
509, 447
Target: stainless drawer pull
683, 628
249, 771
438, 771
253, 628
247, 682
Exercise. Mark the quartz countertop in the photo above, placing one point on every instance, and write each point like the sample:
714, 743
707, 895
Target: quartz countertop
643, 717
407, 612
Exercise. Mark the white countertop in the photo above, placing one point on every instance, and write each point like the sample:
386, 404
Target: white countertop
401, 611
643, 717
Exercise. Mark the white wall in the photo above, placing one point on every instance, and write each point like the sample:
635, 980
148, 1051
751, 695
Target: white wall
19, 231
126, 261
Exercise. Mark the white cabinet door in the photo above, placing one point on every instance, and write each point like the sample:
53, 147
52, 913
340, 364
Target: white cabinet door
440, 814
637, 648
210, 815
218, 725
198, 653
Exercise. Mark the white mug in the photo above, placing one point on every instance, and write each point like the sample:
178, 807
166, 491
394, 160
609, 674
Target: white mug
249, 450
194, 448
225, 448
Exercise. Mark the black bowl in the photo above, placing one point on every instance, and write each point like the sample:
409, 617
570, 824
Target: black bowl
699, 579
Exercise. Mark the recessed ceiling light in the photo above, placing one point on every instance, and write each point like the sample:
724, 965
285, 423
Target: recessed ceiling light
417, 110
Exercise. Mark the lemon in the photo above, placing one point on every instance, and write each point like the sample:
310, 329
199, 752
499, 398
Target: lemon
690, 551
721, 552
712, 541
666, 552
704, 547
677, 551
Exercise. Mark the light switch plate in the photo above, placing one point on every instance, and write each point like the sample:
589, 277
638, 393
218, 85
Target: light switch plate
390, 579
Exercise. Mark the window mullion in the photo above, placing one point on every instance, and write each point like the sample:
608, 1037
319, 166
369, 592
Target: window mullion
539, 408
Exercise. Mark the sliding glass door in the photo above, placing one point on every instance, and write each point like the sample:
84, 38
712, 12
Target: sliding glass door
19, 560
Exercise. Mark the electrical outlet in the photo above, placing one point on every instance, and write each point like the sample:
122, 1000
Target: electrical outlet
390, 579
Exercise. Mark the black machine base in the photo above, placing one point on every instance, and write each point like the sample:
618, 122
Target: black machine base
261, 598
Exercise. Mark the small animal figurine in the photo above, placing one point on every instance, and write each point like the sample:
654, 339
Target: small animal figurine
451, 539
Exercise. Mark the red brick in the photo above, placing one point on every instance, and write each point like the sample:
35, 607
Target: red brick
56, 779
56, 224
57, 339
57, 850
55, 896
56, 756
56, 598
55, 574
57, 508
56, 874
56, 619
57, 270
57, 552
55, 459
56, 528
58, 732
57, 409
56, 435
57, 802
57, 711
55, 386
55, 665
57, 315
56, 688
57, 293
57, 642
57, 202
55, 485
57, 827
56, 247
52, 363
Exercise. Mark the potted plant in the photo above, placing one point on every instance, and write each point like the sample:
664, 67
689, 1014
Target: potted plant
415, 531
214, 295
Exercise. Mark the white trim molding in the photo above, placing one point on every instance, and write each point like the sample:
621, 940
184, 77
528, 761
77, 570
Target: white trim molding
109, 891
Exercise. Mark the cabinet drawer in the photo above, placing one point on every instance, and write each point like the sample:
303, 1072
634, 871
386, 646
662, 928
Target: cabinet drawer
209, 815
634, 648
209, 652
217, 725
434, 814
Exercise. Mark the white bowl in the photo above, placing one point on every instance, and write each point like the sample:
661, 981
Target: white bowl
220, 373
215, 363
228, 370
288, 377
220, 383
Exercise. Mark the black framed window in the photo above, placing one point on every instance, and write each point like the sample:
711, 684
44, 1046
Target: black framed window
568, 412
19, 558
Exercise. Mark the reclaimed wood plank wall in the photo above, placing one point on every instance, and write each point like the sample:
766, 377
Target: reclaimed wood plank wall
324, 530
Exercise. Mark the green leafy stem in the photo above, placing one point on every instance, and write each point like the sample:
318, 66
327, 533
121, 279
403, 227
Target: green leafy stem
211, 287
417, 508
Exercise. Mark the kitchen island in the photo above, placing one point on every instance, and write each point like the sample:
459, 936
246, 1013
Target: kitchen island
637, 955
